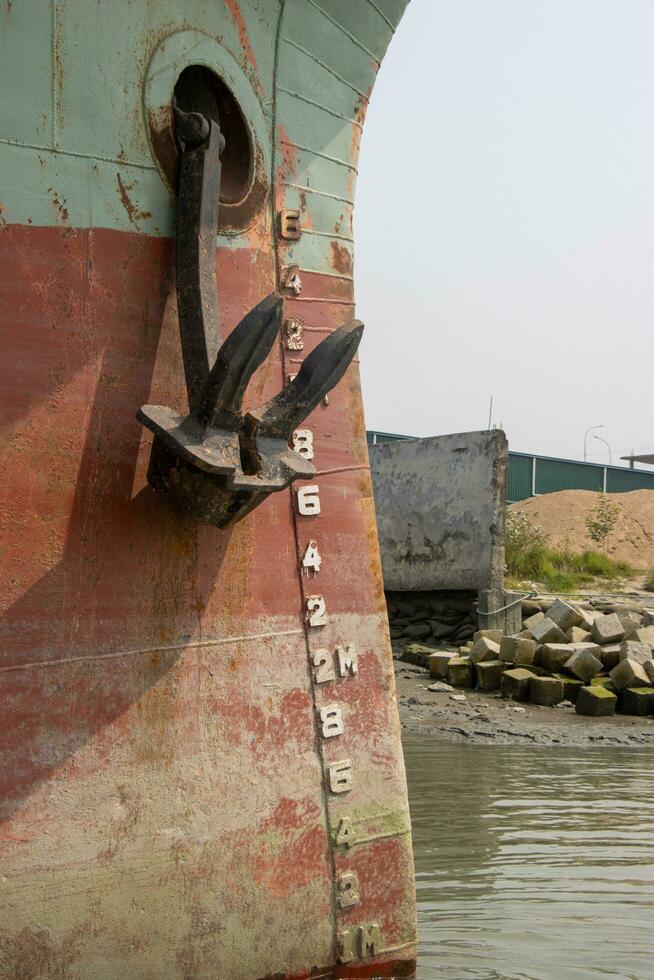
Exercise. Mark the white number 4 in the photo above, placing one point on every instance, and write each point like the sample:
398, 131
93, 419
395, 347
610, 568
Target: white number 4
312, 557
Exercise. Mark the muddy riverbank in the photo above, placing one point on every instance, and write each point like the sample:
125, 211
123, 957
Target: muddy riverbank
486, 719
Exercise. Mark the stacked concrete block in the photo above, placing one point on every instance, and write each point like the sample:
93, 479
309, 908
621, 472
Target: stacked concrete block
548, 632
638, 701
563, 614
460, 672
484, 649
517, 650
629, 673
554, 656
439, 664
577, 634
515, 684
583, 665
635, 650
571, 686
610, 655
545, 690
595, 701
489, 674
596, 658
607, 629
533, 620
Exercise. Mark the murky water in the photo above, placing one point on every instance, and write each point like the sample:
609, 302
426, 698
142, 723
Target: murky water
532, 863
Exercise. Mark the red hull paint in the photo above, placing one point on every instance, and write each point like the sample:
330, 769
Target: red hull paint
159, 719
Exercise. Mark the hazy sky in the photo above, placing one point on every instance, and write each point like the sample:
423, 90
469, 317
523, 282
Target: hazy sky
505, 224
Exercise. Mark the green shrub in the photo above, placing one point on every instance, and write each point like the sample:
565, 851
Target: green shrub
602, 520
530, 557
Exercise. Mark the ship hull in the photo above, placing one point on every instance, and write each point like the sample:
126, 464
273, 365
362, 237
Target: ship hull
171, 805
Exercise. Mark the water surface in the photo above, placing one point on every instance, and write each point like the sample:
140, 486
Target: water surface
532, 863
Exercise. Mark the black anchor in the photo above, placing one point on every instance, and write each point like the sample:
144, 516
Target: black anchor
217, 464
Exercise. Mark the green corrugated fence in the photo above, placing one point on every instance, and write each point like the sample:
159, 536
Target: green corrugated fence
529, 476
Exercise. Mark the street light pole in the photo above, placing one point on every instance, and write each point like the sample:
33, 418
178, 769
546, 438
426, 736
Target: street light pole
599, 439
586, 437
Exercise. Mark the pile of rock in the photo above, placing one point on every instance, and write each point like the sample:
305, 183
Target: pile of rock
599, 659
441, 616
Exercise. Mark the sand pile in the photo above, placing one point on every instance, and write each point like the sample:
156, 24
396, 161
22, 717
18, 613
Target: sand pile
562, 515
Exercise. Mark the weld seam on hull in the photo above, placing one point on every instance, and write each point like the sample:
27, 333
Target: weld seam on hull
328, 234
75, 153
317, 153
355, 40
160, 649
319, 105
381, 14
320, 299
344, 469
314, 190
332, 71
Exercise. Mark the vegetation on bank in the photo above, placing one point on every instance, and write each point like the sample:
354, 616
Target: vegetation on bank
530, 558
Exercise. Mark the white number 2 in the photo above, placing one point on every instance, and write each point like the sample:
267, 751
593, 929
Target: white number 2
316, 610
308, 500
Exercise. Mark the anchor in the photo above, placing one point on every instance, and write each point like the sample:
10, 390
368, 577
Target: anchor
217, 464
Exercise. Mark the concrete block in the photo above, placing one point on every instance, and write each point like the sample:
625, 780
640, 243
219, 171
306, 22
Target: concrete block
607, 629
526, 635
648, 617
646, 635
587, 617
577, 634
595, 701
489, 674
628, 673
610, 655
638, 701
648, 667
545, 690
571, 687
494, 635
529, 607
534, 620
584, 665
631, 623
554, 656
594, 648
563, 614
484, 649
548, 632
515, 684
439, 664
517, 650
459, 672
635, 650
605, 682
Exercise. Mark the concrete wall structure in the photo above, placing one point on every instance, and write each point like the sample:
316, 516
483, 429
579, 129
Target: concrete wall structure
440, 511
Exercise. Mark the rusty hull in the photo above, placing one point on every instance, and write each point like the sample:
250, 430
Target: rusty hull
165, 803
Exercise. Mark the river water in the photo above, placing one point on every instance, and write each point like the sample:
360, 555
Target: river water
532, 863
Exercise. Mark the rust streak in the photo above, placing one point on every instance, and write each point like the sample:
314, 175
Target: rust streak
133, 213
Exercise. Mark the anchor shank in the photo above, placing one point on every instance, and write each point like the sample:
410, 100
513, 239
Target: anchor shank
197, 228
